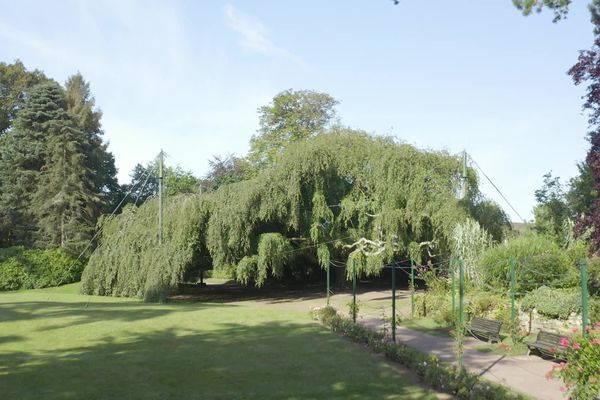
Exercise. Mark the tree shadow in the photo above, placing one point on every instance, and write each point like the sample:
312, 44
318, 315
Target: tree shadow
234, 361
78, 313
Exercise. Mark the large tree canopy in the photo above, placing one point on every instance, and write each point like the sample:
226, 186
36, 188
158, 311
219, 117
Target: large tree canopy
321, 195
292, 115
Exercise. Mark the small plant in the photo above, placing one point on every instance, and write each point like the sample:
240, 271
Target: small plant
353, 308
581, 373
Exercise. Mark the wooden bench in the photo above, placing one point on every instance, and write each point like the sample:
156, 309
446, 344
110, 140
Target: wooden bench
548, 344
487, 328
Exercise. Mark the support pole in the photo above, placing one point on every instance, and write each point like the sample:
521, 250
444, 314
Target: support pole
393, 300
412, 288
453, 278
160, 196
328, 281
584, 296
461, 293
513, 310
461, 324
354, 290
464, 175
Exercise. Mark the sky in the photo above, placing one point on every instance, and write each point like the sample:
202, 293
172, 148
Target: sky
189, 76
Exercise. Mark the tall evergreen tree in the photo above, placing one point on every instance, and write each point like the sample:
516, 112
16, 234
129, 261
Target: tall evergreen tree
23, 154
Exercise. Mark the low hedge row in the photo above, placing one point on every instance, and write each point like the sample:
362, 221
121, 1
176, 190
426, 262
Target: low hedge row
22, 268
440, 376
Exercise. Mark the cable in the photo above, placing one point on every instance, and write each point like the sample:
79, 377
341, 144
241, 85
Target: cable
498, 190
112, 215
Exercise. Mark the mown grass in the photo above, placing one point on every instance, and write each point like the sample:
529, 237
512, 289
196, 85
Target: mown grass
57, 344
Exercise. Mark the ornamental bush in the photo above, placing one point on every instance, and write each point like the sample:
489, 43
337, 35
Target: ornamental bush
581, 372
553, 303
540, 262
22, 268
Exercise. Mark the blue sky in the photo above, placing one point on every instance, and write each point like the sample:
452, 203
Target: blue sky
188, 76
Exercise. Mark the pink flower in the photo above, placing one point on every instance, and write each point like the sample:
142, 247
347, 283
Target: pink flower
597, 324
564, 342
596, 341
562, 388
574, 330
576, 346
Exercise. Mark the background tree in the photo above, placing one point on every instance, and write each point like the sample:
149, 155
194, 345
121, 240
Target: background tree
552, 212
291, 116
15, 83
224, 170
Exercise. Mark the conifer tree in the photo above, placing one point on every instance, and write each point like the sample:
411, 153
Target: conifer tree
22, 155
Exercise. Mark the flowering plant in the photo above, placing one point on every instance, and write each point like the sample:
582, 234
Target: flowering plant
581, 372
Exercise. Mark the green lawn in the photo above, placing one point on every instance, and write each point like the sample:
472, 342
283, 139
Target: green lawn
57, 344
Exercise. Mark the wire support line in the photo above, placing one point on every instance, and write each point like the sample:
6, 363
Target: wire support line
109, 218
498, 190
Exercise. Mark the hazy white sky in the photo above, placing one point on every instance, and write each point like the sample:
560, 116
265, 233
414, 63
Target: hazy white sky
188, 76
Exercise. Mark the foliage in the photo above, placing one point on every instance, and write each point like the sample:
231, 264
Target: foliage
129, 261
491, 218
224, 170
469, 241
326, 193
144, 182
430, 370
56, 175
553, 303
559, 7
582, 193
586, 71
594, 275
22, 268
15, 83
552, 212
539, 262
291, 116
580, 372
273, 252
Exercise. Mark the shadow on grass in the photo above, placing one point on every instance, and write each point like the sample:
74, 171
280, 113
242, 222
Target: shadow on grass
264, 361
78, 313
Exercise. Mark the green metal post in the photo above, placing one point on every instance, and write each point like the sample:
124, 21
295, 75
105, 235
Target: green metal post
328, 288
461, 293
393, 300
584, 296
513, 285
452, 273
354, 290
412, 288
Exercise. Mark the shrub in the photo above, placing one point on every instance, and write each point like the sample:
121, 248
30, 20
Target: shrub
580, 372
539, 262
25, 269
553, 303
12, 274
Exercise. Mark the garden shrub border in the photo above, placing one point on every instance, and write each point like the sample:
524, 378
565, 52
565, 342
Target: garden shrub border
440, 376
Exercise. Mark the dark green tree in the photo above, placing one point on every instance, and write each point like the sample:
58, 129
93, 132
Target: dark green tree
23, 154
292, 115
15, 83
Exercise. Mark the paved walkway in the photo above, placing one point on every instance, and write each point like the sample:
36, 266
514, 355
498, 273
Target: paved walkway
525, 374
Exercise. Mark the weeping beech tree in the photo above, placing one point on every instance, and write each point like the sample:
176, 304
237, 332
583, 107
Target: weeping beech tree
317, 201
